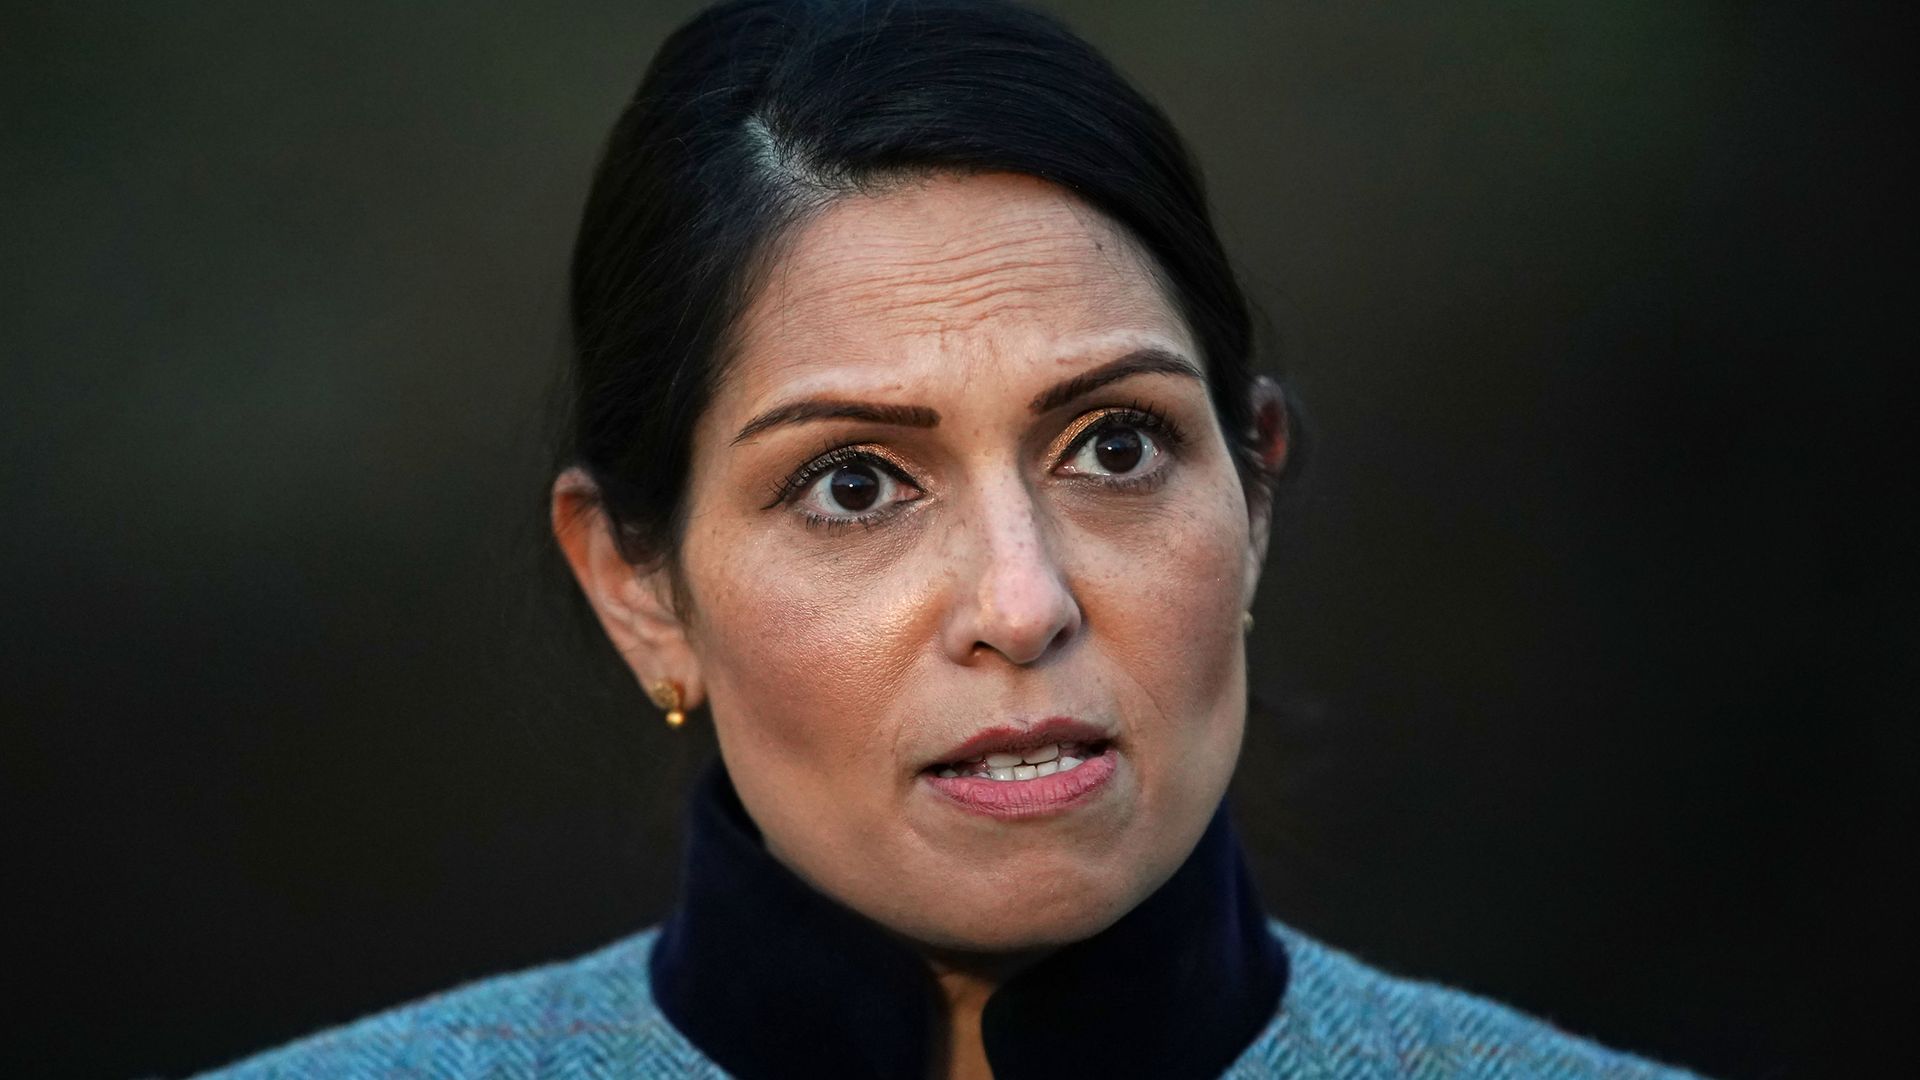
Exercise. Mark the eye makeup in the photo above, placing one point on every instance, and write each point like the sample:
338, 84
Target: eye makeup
833, 456
1137, 416
1165, 434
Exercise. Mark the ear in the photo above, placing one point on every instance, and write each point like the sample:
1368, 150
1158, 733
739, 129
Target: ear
1272, 438
634, 604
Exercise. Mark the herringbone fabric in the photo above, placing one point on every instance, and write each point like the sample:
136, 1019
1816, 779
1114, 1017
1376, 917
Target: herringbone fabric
1343, 1020
594, 1018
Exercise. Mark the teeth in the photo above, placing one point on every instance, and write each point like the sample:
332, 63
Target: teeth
1032, 765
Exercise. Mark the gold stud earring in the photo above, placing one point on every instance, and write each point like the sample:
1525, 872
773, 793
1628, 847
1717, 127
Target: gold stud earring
666, 695
1246, 622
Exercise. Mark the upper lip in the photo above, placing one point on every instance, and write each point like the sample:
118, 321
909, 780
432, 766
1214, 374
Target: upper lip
1014, 738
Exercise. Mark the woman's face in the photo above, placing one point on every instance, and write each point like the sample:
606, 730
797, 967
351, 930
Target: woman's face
963, 492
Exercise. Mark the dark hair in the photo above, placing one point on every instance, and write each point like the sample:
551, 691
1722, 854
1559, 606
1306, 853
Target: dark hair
758, 112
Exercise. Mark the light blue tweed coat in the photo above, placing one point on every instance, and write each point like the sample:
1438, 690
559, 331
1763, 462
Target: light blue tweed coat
595, 1017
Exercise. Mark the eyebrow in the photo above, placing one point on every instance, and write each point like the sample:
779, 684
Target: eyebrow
1148, 361
1138, 362
801, 412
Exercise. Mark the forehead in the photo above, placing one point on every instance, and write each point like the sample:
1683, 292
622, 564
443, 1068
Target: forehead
945, 277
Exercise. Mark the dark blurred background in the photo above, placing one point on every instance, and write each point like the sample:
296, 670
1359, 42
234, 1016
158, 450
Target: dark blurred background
1588, 647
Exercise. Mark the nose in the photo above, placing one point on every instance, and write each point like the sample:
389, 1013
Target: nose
1011, 594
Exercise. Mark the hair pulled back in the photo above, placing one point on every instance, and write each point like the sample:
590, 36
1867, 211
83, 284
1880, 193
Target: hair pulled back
756, 113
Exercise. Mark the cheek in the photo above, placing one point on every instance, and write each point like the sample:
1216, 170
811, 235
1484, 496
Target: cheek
1169, 599
801, 656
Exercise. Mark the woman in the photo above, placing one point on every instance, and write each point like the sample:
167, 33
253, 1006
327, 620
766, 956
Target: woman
915, 437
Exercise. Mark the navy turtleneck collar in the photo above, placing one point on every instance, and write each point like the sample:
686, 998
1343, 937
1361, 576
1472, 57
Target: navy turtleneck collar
770, 978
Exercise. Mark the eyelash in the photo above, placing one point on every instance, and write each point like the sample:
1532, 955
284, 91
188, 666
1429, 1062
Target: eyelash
1139, 415
1135, 414
832, 457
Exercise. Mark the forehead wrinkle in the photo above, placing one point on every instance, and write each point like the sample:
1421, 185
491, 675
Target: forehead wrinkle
935, 282
947, 278
979, 240
919, 249
978, 297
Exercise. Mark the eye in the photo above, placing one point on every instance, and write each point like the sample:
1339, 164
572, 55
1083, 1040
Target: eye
846, 487
1118, 446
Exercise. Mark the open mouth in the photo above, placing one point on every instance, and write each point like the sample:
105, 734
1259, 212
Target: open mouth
1009, 766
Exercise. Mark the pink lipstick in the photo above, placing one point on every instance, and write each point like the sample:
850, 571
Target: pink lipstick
1024, 772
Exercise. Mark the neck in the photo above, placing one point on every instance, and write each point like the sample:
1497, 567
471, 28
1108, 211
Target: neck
966, 981
771, 978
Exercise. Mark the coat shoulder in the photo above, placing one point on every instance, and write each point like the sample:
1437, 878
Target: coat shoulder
593, 1016
1343, 1018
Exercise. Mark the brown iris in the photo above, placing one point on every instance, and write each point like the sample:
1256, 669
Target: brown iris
1119, 450
854, 487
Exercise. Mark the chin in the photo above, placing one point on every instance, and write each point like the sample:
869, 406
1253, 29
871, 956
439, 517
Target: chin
995, 915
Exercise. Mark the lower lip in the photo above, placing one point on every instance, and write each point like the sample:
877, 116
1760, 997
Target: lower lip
1043, 795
